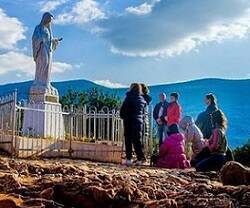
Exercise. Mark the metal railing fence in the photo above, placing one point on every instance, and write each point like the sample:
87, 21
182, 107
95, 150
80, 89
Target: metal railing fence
28, 129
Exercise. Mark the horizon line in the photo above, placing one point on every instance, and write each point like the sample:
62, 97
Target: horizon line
150, 85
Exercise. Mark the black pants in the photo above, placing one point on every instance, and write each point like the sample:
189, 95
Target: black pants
203, 154
133, 136
212, 163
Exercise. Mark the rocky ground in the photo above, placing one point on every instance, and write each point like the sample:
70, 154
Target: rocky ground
67, 183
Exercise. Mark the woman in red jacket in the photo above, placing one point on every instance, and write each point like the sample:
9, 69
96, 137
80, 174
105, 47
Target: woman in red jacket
174, 110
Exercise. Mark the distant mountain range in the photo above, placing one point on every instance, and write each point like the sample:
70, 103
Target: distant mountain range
233, 96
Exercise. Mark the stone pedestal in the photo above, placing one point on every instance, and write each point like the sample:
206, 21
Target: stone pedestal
41, 94
43, 115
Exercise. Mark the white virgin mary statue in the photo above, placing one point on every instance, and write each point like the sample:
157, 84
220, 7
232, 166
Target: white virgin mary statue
43, 45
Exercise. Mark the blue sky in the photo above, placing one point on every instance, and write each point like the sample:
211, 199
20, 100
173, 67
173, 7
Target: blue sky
116, 42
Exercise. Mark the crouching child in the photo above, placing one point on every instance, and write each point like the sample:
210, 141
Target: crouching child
172, 151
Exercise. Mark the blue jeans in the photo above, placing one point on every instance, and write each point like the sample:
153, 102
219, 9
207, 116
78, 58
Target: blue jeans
162, 129
213, 162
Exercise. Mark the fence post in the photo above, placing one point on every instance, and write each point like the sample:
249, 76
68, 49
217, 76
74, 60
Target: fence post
151, 131
113, 126
71, 130
13, 122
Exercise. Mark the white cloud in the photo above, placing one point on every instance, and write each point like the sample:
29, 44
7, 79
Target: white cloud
84, 11
175, 27
23, 64
142, 9
14, 61
60, 67
108, 83
11, 31
48, 6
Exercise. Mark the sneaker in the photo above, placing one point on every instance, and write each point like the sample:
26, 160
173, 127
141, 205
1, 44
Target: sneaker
128, 163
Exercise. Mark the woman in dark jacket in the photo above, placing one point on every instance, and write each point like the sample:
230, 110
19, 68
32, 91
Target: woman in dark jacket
132, 113
204, 121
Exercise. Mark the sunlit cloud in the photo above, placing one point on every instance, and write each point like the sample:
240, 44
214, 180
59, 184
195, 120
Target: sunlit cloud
22, 64
11, 31
82, 12
48, 6
172, 28
108, 83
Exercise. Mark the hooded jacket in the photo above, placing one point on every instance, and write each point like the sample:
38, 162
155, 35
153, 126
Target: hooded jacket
172, 153
192, 134
132, 109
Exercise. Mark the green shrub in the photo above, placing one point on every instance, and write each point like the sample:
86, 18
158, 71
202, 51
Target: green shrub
242, 154
93, 97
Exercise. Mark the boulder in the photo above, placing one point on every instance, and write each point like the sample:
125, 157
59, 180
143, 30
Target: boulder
234, 173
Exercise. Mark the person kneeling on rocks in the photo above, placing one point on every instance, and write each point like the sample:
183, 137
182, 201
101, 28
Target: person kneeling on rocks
172, 151
132, 113
193, 136
216, 146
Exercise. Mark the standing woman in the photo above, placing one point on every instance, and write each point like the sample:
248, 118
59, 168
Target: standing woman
146, 126
132, 113
173, 114
204, 119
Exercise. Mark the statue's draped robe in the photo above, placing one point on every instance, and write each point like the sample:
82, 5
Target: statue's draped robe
43, 45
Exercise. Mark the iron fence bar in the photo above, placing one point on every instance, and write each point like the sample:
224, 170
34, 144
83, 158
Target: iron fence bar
71, 130
41, 110
13, 121
104, 126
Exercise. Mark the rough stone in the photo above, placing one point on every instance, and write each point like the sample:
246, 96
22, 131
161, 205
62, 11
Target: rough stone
233, 173
58, 183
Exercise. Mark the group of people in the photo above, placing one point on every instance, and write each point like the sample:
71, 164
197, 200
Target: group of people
183, 142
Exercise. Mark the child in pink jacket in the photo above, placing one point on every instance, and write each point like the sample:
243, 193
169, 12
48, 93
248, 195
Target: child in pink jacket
172, 151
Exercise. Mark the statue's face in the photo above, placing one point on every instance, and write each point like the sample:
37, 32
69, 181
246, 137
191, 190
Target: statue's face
48, 21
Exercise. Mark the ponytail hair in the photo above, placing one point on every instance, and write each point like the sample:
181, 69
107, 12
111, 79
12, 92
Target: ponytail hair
212, 98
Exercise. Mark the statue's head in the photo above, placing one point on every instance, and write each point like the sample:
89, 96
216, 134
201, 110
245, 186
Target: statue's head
46, 19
